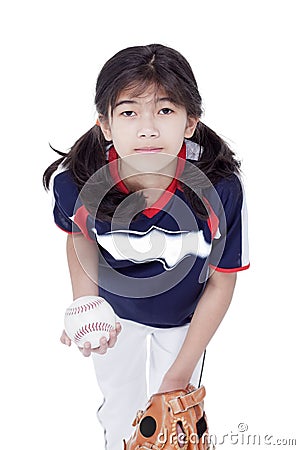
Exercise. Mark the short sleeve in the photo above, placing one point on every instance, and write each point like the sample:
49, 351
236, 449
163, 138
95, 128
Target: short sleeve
230, 246
65, 193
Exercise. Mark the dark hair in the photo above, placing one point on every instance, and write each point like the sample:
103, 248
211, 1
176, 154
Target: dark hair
137, 68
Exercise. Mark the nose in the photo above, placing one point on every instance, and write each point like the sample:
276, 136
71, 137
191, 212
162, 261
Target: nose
148, 129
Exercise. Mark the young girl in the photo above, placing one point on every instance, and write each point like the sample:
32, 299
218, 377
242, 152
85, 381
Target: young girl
155, 214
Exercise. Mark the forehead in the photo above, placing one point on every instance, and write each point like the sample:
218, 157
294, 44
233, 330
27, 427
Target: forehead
147, 93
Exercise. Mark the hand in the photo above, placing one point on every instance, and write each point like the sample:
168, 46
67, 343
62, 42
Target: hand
104, 345
171, 383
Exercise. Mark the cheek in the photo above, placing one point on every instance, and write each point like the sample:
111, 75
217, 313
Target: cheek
174, 128
175, 134
122, 132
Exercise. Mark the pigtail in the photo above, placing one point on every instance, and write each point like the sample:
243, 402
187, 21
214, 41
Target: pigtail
216, 161
84, 160
52, 168
85, 157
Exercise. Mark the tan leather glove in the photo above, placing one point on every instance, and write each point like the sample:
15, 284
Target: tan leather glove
171, 420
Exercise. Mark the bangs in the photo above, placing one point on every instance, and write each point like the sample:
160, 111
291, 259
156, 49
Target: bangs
138, 87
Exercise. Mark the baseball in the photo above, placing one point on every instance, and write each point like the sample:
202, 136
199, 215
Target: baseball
89, 318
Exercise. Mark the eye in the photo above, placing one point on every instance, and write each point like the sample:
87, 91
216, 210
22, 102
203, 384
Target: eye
165, 111
128, 113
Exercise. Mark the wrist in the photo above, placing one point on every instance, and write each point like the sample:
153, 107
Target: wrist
173, 381
180, 371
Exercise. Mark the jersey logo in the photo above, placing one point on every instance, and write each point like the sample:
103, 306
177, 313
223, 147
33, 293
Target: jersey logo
156, 244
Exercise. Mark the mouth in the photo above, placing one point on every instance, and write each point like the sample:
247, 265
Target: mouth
148, 150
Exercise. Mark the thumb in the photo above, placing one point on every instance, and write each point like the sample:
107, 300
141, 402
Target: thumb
64, 339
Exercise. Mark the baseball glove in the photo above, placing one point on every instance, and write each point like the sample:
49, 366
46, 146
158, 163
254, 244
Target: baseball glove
171, 420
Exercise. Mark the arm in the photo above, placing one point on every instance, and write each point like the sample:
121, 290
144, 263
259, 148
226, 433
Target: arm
207, 317
82, 256
83, 265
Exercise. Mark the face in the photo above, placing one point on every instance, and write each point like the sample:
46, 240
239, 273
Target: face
147, 131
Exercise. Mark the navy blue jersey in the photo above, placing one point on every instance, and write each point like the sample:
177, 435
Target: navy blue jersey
154, 270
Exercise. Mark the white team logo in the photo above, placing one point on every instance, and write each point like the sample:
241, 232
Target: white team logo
156, 244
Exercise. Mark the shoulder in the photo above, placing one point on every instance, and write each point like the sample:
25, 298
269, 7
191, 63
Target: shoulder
64, 179
227, 195
230, 185
65, 191
226, 186
230, 189
64, 182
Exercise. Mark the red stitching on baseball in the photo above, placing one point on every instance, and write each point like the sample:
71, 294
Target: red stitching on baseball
87, 328
73, 310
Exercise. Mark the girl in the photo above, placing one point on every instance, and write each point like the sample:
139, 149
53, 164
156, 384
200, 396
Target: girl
154, 210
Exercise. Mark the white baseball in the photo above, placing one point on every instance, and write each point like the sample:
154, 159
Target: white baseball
89, 318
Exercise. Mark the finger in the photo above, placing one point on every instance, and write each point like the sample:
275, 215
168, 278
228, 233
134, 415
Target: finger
102, 349
114, 334
86, 349
112, 338
64, 339
118, 328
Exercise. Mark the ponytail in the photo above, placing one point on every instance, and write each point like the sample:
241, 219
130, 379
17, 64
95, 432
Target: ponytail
216, 161
85, 157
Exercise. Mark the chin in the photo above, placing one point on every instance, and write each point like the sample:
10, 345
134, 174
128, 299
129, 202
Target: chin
150, 162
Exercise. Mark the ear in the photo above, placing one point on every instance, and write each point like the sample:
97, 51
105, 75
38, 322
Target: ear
190, 126
105, 127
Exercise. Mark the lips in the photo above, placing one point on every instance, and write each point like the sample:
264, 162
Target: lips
148, 150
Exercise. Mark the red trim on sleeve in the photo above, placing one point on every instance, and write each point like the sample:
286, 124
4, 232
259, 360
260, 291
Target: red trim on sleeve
66, 231
236, 269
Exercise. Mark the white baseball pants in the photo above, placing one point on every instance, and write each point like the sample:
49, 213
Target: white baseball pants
132, 371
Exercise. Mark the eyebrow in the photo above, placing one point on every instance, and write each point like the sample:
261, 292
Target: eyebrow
130, 102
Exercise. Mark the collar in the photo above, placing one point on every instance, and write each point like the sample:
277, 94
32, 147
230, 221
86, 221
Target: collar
166, 196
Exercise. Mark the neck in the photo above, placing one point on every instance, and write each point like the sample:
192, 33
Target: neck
153, 185
139, 180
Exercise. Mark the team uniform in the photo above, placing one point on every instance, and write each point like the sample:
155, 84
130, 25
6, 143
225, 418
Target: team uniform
153, 273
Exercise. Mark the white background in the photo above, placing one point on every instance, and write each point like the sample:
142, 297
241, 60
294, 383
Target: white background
245, 57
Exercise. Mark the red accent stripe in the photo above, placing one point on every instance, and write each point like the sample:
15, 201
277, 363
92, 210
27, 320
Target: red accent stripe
237, 269
80, 219
213, 220
159, 204
171, 189
113, 168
